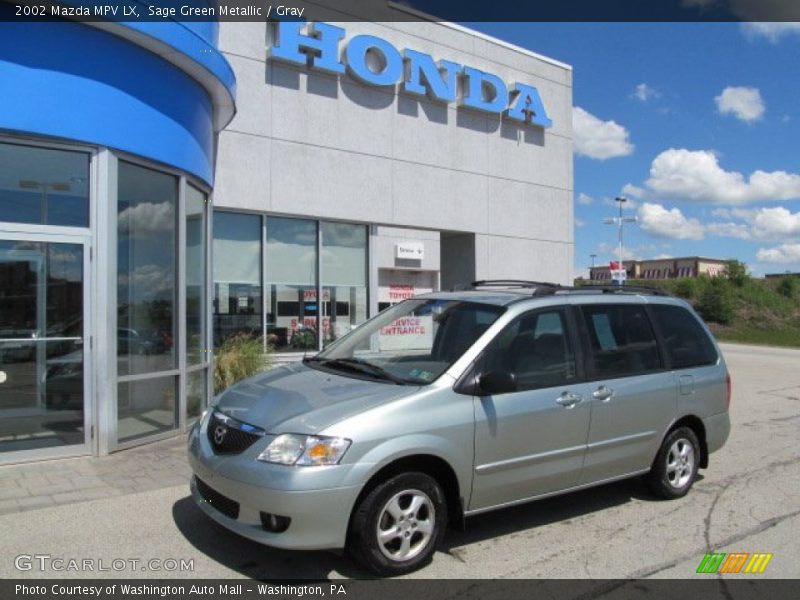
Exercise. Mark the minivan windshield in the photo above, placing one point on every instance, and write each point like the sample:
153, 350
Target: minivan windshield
411, 343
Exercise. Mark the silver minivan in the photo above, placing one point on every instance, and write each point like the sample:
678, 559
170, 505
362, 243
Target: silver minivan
452, 404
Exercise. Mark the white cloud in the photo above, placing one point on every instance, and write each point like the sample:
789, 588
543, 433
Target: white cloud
696, 175
644, 92
585, 199
744, 103
773, 32
579, 222
763, 224
633, 190
669, 223
785, 253
599, 139
611, 250
146, 218
662, 256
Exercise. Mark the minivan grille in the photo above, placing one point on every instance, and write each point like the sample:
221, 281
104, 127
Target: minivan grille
227, 436
223, 504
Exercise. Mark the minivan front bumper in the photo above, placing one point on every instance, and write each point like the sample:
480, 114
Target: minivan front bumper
319, 514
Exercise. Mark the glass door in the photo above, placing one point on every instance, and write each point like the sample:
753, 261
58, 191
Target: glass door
43, 347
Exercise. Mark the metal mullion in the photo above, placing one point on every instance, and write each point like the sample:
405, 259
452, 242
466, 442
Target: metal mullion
180, 259
106, 296
151, 375
320, 302
264, 282
208, 334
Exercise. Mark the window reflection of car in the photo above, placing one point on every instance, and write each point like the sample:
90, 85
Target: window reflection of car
19, 350
63, 381
130, 341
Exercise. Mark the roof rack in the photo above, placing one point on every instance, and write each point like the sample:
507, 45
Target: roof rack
543, 288
538, 287
620, 289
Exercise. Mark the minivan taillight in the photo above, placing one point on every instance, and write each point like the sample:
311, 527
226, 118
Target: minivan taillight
728, 389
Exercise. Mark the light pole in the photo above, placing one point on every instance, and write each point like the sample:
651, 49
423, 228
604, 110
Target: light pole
620, 222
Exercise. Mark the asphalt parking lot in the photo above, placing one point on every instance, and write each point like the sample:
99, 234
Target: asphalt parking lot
747, 501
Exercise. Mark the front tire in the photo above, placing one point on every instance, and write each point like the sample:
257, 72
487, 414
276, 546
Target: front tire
675, 468
397, 526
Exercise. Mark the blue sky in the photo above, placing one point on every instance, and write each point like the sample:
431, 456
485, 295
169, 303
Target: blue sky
697, 123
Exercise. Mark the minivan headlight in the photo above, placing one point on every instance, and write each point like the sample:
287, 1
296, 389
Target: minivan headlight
305, 450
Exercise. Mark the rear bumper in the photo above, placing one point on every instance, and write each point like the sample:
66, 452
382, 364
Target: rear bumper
718, 428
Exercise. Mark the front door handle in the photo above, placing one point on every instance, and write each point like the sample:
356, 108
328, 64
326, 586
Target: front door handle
603, 393
568, 399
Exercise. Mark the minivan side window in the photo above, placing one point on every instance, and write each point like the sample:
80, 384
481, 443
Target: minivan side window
536, 348
686, 342
621, 339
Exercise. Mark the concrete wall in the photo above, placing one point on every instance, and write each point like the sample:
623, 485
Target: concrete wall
311, 144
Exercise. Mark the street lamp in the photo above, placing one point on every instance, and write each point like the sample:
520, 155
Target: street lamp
620, 222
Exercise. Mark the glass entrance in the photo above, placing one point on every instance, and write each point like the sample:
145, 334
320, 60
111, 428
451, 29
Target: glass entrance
42, 351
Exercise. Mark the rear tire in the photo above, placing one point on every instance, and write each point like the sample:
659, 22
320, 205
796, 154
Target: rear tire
397, 526
675, 467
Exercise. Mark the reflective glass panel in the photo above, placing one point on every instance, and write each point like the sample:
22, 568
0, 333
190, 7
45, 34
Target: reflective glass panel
292, 307
41, 345
195, 275
146, 407
237, 275
146, 255
344, 278
195, 393
44, 186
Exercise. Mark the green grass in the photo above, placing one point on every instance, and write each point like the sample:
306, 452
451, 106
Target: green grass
788, 337
762, 312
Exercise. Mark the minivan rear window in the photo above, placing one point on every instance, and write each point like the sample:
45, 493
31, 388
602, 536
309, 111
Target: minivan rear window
686, 342
622, 341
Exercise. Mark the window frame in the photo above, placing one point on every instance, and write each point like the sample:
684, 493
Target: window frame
467, 384
666, 357
586, 342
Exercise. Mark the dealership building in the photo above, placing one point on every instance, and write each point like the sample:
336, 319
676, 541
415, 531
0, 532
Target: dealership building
164, 187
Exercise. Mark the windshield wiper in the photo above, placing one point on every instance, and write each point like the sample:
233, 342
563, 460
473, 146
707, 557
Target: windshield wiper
360, 365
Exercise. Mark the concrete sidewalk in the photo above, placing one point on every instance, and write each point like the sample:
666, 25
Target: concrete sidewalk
49, 483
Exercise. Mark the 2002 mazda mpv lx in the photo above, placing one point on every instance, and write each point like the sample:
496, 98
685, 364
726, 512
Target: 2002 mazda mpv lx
456, 403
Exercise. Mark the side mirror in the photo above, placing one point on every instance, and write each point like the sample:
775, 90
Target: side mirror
496, 382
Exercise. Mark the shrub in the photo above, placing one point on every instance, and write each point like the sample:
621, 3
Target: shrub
736, 272
687, 287
237, 358
788, 286
716, 302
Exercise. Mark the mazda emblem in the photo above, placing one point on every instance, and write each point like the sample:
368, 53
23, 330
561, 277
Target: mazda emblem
219, 434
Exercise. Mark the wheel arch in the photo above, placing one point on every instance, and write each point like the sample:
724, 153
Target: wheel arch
430, 464
694, 423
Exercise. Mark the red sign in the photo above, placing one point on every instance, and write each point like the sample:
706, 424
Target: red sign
407, 326
401, 292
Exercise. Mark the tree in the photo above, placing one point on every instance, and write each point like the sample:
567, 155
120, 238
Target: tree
736, 272
788, 286
716, 302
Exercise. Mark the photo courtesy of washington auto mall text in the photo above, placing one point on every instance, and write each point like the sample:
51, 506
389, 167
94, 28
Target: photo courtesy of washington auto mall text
163, 589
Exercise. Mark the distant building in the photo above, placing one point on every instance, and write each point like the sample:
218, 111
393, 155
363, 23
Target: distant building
781, 275
665, 268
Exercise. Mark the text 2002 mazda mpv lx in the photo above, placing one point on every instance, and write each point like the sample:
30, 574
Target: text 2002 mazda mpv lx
455, 403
